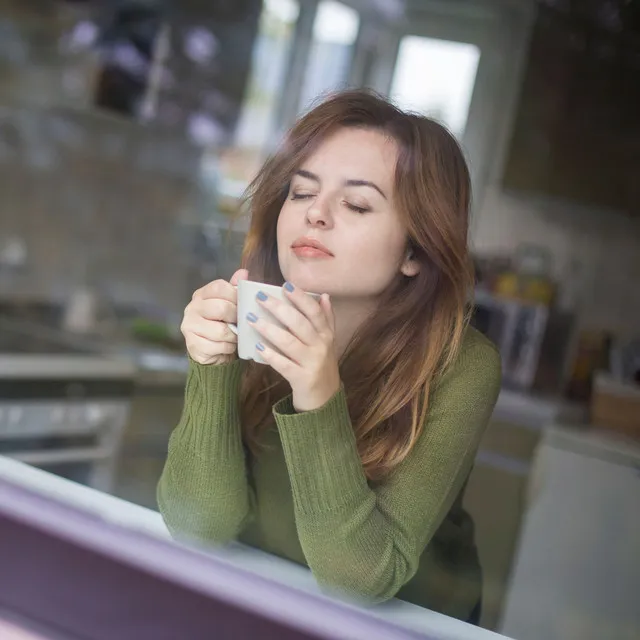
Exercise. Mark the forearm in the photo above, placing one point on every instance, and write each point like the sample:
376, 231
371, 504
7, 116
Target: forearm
366, 539
356, 550
203, 492
349, 542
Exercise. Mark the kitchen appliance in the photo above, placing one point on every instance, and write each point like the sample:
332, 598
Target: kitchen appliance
530, 276
63, 407
534, 340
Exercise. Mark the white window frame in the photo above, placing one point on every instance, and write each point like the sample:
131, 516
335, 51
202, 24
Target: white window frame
499, 28
502, 38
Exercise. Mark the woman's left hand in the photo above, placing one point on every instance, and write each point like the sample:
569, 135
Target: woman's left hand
308, 359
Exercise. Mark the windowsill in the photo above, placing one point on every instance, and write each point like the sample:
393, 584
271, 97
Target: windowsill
130, 516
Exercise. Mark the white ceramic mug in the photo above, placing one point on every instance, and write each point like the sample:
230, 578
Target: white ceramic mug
248, 337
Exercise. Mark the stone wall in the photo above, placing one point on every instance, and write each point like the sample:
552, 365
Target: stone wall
97, 200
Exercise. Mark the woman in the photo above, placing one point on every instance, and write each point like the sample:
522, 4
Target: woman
349, 452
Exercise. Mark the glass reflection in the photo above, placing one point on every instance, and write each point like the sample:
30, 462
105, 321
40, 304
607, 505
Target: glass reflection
335, 30
128, 134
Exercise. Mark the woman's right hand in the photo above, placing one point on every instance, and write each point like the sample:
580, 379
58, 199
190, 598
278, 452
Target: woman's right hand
204, 326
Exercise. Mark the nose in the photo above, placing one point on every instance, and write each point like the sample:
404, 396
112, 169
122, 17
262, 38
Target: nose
319, 214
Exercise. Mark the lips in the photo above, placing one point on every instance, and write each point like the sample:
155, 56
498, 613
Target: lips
310, 247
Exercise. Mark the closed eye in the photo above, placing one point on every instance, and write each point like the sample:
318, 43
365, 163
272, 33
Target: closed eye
356, 208
301, 196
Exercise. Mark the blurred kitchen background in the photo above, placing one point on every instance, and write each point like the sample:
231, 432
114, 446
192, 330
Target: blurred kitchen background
129, 130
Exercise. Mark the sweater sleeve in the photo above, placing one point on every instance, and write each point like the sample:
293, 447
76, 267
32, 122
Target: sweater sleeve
368, 542
204, 493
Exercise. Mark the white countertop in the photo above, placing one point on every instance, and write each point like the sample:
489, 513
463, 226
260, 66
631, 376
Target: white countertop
536, 411
126, 514
593, 441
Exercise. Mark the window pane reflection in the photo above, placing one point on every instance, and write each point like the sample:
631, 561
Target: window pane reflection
436, 77
271, 51
269, 64
335, 30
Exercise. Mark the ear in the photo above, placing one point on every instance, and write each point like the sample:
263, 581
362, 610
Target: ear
410, 266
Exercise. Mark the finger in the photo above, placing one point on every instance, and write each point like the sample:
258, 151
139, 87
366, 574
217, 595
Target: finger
280, 338
291, 318
201, 348
217, 309
308, 306
211, 330
240, 274
288, 369
327, 307
218, 289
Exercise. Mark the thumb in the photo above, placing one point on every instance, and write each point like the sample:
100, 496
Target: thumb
240, 274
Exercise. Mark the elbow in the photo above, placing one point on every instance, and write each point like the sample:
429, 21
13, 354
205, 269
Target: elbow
191, 521
201, 532
366, 583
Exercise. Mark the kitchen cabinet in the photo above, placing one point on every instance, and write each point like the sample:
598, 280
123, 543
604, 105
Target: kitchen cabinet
496, 492
155, 411
577, 128
577, 569
495, 499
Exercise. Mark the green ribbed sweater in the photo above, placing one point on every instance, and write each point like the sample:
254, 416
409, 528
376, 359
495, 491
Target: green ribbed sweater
306, 498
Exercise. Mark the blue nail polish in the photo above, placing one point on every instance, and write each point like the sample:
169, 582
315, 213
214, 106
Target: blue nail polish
259, 346
252, 317
261, 296
289, 287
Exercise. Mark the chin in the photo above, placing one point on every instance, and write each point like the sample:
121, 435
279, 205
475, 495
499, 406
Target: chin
312, 282
311, 285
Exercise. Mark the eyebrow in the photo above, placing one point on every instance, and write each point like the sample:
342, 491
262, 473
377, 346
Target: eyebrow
303, 173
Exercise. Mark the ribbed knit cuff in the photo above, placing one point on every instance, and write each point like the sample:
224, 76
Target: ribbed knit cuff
322, 458
212, 408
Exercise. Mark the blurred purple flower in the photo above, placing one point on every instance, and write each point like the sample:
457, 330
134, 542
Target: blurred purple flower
204, 130
200, 45
83, 36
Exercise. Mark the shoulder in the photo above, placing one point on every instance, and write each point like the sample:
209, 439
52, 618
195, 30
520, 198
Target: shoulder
461, 403
477, 370
478, 347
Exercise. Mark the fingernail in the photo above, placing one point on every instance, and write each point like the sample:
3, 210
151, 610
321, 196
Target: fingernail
289, 287
261, 296
252, 317
259, 346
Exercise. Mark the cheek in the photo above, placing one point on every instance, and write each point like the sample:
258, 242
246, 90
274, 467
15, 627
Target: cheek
379, 252
282, 226
285, 233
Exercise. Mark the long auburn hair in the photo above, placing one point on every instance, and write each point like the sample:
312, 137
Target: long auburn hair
420, 332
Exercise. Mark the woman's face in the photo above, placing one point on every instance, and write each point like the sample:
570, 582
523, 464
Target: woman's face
342, 197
